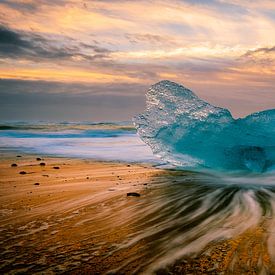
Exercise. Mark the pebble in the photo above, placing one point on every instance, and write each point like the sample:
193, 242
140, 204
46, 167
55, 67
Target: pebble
133, 194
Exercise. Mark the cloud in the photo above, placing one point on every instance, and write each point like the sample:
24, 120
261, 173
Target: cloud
218, 48
266, 50
17, 86
26, 45
45, 100
260, 51
264, 56
152, 39
32, 6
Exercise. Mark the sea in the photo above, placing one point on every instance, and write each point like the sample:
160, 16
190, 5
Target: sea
182, 215
109, 141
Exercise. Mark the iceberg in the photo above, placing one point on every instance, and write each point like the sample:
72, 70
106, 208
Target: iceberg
188, 132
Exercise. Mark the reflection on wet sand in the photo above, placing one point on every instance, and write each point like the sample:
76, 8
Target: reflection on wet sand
79, 219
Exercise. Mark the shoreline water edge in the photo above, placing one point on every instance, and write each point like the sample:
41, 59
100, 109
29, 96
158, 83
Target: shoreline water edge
92, 198
83, 216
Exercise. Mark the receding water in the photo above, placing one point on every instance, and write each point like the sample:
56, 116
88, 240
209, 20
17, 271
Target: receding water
225, 217
180, 215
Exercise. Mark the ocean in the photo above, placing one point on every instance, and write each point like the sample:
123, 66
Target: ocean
110, 141
186, 214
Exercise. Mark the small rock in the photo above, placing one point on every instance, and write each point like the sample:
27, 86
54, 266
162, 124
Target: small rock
38, 159
18, 156
22, 173
42, 163
14, 165
128, 165
133, 194
87, 178
56, 167
162, 271
37, 183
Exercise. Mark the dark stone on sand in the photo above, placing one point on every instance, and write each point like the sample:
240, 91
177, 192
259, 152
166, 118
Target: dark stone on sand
38, 159
87, 178
22, 173
42, 163
133, 194
14, 165
18, 156
162, 271
37, 183
128, 165
56, 167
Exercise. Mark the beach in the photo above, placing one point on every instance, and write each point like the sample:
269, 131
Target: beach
137, 137
74, 216
54, 212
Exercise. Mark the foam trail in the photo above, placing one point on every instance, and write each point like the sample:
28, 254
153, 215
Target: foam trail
180, 215
188, 213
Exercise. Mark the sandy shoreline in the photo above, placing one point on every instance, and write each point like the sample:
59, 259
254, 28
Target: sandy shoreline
46, 206
74, 216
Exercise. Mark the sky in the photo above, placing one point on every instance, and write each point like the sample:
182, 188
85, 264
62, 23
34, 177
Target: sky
94, 60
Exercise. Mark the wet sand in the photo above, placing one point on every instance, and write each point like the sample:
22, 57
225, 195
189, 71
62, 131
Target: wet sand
51, 218
74, 216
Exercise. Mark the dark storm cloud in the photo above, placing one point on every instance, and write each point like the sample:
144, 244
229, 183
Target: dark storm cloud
17, 86
26, 45
50, 100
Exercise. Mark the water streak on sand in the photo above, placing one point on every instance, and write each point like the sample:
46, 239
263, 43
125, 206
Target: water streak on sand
90, 225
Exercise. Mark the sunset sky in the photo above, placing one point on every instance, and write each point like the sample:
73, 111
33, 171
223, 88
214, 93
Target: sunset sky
94, 60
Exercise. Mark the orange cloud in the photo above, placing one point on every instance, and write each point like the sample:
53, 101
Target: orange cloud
64, 75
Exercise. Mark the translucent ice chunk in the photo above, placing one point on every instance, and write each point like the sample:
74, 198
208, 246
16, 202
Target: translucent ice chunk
188, 132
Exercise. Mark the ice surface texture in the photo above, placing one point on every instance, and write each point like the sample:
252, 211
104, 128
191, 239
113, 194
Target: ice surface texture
188, 132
